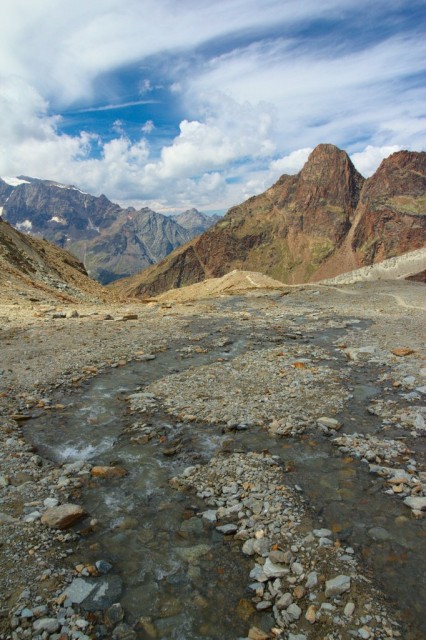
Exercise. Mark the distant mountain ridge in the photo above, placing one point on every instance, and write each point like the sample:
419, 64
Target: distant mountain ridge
111, 241
322, 222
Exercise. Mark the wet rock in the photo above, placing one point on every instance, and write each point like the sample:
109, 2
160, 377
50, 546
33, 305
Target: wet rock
227, 529
94, 594
108, 472
63, 516
123, 631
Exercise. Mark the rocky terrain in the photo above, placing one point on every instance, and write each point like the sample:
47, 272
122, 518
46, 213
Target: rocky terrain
289, 423
317, 224
112, 242
33, 270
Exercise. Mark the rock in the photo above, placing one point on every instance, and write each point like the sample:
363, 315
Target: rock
284, 601
337, 585
247, 547
417, 503
103, 567
227, 529
72, 314
310, 614
272, 570
108, 472
51, 625
349, 609
63, 516
94, 594
322, 533
402, 351
329, 423
192, 554
130, 316
294, 611
123, 631
312, 580
114, 615
257, 634
209, 515
278, 557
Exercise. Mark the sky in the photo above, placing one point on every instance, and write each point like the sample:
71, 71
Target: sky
180, 103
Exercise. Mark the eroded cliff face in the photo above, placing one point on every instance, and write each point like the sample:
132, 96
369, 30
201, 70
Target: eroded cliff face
321, 222
392, 209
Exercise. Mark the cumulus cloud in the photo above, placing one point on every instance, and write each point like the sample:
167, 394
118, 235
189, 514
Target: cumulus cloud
250, 107
368, 160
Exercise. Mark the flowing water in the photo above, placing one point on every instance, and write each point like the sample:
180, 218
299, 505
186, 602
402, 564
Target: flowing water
180, 572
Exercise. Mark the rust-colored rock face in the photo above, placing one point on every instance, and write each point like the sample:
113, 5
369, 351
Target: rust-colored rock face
319, 223
392, 209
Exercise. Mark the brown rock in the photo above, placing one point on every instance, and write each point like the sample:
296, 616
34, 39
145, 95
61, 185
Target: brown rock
63, 516
108, 472
402, 351
319, 223
310, 614
257, 634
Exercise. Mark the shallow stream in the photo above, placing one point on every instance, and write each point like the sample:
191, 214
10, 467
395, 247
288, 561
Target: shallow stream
180, 572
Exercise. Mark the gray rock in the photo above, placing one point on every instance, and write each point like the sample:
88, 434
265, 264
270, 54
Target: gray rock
294, 611
227, 529
272, 570
284, 601
94, 594
418, 503
209, 515
51, 625
336, 586
312, 580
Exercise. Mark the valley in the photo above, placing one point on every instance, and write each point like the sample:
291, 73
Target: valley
270, 443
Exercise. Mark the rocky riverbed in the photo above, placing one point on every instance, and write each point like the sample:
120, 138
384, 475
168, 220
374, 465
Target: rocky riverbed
287, 366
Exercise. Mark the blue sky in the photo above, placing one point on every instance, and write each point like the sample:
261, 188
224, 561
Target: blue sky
176, 104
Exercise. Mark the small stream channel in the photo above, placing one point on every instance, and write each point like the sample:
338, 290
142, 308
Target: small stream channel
180, 572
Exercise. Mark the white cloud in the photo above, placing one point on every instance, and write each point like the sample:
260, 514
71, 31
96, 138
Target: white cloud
292, 163
368, 160
249, 114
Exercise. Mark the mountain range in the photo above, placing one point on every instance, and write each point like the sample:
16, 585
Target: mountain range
112, 242
326, 220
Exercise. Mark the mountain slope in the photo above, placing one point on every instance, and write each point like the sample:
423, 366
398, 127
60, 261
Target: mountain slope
319, 223
194, 221
112, 242
36, 269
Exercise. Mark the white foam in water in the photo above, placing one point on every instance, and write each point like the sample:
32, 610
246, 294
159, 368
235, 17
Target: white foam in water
81, 451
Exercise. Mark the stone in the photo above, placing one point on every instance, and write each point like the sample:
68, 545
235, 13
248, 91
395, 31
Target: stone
248, 547
257, 634
209, 515
114, 614
63, 516
311, 614
329, 423
284, 601
123, 631
94, 594
272, 570
322, 533
227, 529
312, 580
336, 586
51, 625
108, 472
402, 351
72, 314
277, 557
416, 502
294, 611
349, 609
